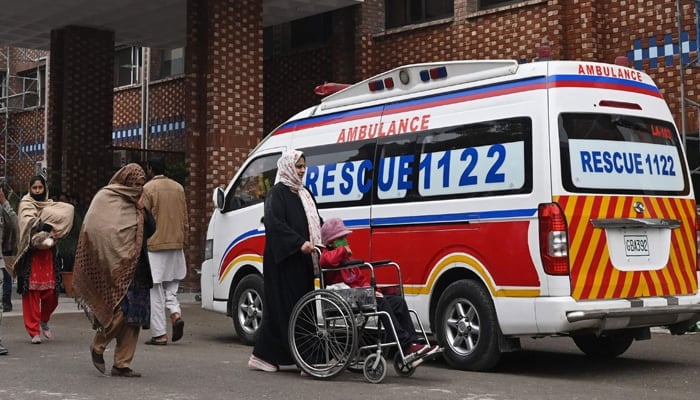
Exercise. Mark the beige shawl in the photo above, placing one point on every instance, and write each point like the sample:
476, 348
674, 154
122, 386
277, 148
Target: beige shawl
109, 245
33, 213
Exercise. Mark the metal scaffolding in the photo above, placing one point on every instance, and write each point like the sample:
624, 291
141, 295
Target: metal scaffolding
22, 111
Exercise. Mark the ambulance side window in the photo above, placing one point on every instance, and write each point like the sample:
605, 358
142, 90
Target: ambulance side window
254, 183
482, 159
340, 175
395, 174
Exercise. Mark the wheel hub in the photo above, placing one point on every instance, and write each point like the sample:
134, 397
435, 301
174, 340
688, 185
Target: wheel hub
464, 326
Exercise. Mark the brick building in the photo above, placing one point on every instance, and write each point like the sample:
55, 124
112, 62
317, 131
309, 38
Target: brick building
237, 69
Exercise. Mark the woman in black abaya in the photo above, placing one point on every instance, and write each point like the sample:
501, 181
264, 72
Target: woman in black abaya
292, 229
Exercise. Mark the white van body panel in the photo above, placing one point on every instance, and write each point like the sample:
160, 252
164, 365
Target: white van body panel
509, 175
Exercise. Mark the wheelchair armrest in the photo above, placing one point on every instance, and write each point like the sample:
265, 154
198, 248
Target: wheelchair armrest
351, 263
380, 262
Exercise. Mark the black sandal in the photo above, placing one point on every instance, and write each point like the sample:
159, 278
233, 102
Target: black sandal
178, 329
98, 360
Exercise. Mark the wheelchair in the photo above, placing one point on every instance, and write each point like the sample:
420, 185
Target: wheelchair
334, 330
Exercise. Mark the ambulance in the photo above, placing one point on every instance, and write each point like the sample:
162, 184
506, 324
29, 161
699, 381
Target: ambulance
542, 199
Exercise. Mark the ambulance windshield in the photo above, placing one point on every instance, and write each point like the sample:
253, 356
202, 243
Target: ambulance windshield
609, 153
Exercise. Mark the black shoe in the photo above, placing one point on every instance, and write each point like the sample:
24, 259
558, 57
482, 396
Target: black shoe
7, 307
98, 360
3, 350
178, 329
125, 372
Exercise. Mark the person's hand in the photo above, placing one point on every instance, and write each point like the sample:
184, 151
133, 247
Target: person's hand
348, 249
3, 199
307, 247
377, 293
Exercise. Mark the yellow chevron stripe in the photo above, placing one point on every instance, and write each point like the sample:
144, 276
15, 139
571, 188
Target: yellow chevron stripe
585, 265
674, 264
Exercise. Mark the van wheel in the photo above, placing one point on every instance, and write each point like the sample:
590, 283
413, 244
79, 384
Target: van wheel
607, 345
247, 312
467, 327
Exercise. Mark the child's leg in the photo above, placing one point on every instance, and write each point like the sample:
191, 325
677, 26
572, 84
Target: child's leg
397, 309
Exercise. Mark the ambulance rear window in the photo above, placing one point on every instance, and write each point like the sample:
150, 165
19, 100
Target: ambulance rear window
609, 153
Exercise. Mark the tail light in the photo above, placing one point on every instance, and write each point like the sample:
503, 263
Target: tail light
554, 244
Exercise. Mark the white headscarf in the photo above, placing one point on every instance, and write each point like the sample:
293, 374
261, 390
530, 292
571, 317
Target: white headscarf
287, 174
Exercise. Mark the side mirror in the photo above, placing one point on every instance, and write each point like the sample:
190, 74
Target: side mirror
219, 198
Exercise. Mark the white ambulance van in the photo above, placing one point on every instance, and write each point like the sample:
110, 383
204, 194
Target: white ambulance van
520, 200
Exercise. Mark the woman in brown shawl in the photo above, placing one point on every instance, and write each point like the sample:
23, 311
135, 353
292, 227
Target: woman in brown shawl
111, 276
41, 222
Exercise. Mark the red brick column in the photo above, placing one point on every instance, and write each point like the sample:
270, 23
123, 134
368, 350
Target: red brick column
79, 127
223, 103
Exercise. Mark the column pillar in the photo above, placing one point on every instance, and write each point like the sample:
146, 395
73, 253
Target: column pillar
223, 103
80, 109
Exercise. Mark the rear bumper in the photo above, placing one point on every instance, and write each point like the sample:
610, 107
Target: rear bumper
556, 315
671, 312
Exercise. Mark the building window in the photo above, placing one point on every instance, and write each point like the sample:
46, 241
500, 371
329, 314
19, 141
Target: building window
127, 66
489, 4
311, 31
407, 12
167, 62
33, 86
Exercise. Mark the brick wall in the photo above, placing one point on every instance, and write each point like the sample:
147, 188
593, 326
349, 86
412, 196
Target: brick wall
166, 116
223, 103
25, 147
290, 82
80, 110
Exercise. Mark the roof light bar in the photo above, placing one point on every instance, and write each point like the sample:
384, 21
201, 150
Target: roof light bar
439, 72
389, 83
330, 88
376, 85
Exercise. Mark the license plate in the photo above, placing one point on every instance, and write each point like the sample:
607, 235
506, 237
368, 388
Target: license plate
636, 245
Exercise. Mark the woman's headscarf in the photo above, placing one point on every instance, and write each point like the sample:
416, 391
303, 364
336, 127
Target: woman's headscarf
287, 174
34, 210
109, 245
43, 196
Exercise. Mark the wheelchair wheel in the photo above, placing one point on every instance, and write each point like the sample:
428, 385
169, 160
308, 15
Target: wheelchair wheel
374, 368
401, 368
322, 334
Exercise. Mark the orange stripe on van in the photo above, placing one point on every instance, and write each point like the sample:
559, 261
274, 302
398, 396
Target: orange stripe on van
592, 274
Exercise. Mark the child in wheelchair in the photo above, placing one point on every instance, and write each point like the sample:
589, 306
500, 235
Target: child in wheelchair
337, 251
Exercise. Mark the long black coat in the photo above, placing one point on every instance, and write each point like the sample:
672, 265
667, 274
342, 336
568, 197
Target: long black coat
288, 273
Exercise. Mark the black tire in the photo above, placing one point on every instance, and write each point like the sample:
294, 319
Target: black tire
607, 345
402, 369
467, 327
247, 308
374, 374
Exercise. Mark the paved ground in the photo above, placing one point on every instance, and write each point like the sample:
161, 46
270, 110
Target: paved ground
210, 363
